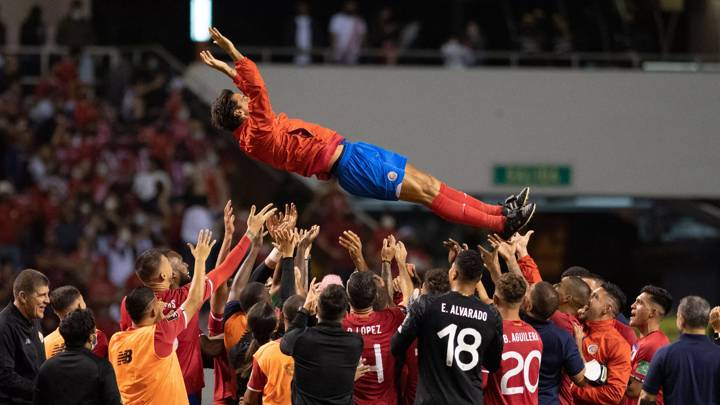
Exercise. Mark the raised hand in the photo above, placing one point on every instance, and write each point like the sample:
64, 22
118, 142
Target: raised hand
229, 221
387, 253
285, 241
491, 260
521, 243
453, 248
216, 64
400, 253
255, 221
291, 215
351, 242
220, 40
307, 238
312, 297
505, 248
204, 245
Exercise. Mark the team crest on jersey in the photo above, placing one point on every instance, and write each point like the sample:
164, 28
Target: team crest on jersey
392, 176
592, 348
172, 316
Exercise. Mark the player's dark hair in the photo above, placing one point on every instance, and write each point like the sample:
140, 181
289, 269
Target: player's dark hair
511, 287
147, 264
544, 299
169, 253
578, 289
659, 296
62, 297
262, 322
469, 266
361, 289
382, 296
137, 301
28, 282
291, 307
253, 293
437, 281
576, 271
332, 303
77, 327
616, 294
222, 113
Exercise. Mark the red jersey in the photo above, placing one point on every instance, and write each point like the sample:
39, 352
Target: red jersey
516, 381
378, 386
410, 373
627, 332
284, 143
642, 353
566, 322
224, 386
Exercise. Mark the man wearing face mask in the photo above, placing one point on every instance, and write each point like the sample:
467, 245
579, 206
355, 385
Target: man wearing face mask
75, 375
600, 341
65, 300
21, 348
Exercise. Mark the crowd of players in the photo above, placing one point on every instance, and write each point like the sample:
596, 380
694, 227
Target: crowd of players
393, 335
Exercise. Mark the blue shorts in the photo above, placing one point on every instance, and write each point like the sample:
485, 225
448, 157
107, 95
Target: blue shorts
367, 170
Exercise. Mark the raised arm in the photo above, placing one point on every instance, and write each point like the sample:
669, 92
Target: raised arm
351, 242
220, 295
406, 284
303, 257
200, 251
243, 275
387, 254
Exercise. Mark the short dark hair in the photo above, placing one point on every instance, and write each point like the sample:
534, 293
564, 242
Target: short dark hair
361, 289
62, 297
253, 293
437, 281
77, 327
148, 264
659, 296
469, 266
167, 252
222, 113
695, 312
544, 299
291, 306
137, 301
28, 281
576, 271
615, 294
332, 303
578, 289
512, 287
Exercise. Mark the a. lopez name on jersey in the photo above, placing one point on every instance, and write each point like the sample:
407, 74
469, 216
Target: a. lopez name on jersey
463, 311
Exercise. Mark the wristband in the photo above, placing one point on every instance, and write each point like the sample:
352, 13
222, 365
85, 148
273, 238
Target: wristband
274, 256
251, 235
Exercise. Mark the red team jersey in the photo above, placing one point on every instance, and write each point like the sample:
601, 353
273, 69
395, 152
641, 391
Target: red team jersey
642, 353
516, 382
284, 143
376, 329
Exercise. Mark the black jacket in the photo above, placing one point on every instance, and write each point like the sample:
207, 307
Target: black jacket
21, 355
326, 358
76, 377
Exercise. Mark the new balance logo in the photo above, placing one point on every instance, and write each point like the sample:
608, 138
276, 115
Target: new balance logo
124, 357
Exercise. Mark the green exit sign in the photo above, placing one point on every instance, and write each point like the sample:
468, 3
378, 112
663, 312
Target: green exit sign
532, 175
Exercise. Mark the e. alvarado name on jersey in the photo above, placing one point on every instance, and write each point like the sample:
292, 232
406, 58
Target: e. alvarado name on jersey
463, 311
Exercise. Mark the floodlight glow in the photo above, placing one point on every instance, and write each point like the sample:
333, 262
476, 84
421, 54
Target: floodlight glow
200, 20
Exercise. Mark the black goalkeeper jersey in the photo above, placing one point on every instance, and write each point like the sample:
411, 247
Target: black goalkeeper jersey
456, 337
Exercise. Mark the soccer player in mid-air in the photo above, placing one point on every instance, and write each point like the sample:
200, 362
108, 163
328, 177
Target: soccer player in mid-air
361, 169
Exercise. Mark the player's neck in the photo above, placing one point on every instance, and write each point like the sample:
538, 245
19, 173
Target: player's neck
568, 309
464, 289
649, 328
157, 287
509, 314
361, 312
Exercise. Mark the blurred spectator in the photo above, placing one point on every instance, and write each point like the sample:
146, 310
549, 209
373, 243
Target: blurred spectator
75, 29
385, 34
3, 31
347, 31
303, 33
33, 31
456, 54
11, 220
562, 40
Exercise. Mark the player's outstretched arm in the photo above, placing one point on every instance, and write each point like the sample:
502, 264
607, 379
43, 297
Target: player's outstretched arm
226, 45
217, 64
200, 251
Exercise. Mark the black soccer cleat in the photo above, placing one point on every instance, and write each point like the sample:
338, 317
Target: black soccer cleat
517, 219
516, 201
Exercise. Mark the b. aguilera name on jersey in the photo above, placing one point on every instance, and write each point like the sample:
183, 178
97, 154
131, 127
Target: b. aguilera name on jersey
466, 312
